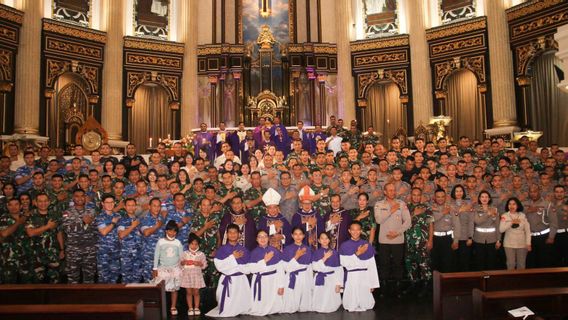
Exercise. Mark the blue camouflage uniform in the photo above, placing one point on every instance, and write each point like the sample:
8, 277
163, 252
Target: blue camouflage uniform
149, 243
25, 171
108, 254
177, 216
130, 251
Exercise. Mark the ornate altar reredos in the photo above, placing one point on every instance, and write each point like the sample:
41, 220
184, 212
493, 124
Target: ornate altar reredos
266, 105
265, 72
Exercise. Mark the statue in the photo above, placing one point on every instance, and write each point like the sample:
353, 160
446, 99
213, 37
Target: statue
265, 39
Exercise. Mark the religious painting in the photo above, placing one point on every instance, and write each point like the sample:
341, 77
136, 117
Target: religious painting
204, 102
380, 18
266, 35
72, 11
151, 18
456, 10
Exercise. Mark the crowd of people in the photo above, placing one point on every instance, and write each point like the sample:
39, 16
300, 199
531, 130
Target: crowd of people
282, 216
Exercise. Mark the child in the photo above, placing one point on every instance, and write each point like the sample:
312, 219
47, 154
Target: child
268, 279
298, 256
233, 293
329, 276
193, 262
167, 262
357, 257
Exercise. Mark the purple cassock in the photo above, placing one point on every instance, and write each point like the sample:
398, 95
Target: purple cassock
338, 232
282, 143
247, 237
306, 259
332, 262
300, 219
258, 134
314, 140
223, 253
255, 256
200, 142
286, 230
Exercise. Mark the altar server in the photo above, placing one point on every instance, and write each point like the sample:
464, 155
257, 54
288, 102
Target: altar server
298, 257
328, 276
233, 293
357, 257
268, 278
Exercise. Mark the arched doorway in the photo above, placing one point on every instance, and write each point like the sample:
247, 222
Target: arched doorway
463, 104
548, 110
151, 116
68, 110
384, 110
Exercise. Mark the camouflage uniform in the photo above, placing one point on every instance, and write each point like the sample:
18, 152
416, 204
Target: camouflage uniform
108, 254
149, 243
80, 245
130, 251
55, 203
257, 211
323, 204
178, 217
14, 266
44, 248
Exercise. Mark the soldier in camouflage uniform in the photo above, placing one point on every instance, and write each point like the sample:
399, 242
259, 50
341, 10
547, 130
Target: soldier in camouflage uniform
152, 227
206, 226
13, 239
253, 198
130, 244
322, 201
46, 241
355, 137
108, 254
58, 196
80, 240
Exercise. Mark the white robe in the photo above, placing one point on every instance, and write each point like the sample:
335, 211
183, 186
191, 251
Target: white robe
239, 299
298, 299
271, 302
357, 295
325, 298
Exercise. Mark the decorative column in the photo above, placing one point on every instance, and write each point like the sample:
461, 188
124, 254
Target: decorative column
113, 24
321, 108
501, 62
188, 35
213, 80
27, 108
422, 102
345, 81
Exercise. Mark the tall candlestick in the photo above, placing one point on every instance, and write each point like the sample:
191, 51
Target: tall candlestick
150, 143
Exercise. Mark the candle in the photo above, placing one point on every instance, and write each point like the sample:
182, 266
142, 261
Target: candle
168, 136
160, 140
150, 142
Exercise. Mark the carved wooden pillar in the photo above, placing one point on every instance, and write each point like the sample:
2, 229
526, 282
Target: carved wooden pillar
221, 84
524, 82
295, 108
312, 78
238, 100
318, 117
404, 114
213, 80
441, 101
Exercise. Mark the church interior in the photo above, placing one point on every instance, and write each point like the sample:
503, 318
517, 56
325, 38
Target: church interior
156, 75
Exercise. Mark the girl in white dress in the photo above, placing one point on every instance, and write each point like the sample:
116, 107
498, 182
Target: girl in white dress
298, 258
328, 277
193, 263
268, 280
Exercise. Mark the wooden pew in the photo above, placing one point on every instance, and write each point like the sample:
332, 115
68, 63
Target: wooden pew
153, 296
452, 291
550, 303
73, 311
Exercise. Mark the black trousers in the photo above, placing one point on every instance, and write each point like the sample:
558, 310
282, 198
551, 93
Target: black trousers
443, 257
561, 244
391, 265
485, 256
463, 257
542, 254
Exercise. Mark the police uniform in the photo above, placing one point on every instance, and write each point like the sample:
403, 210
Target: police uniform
80, 245
464, 251
485, 235
348, 200
108, 254
561, 242
543, 226
447, 230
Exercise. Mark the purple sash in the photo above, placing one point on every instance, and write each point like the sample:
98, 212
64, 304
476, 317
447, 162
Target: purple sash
293, 276
225, 293
258, 284
320, 277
